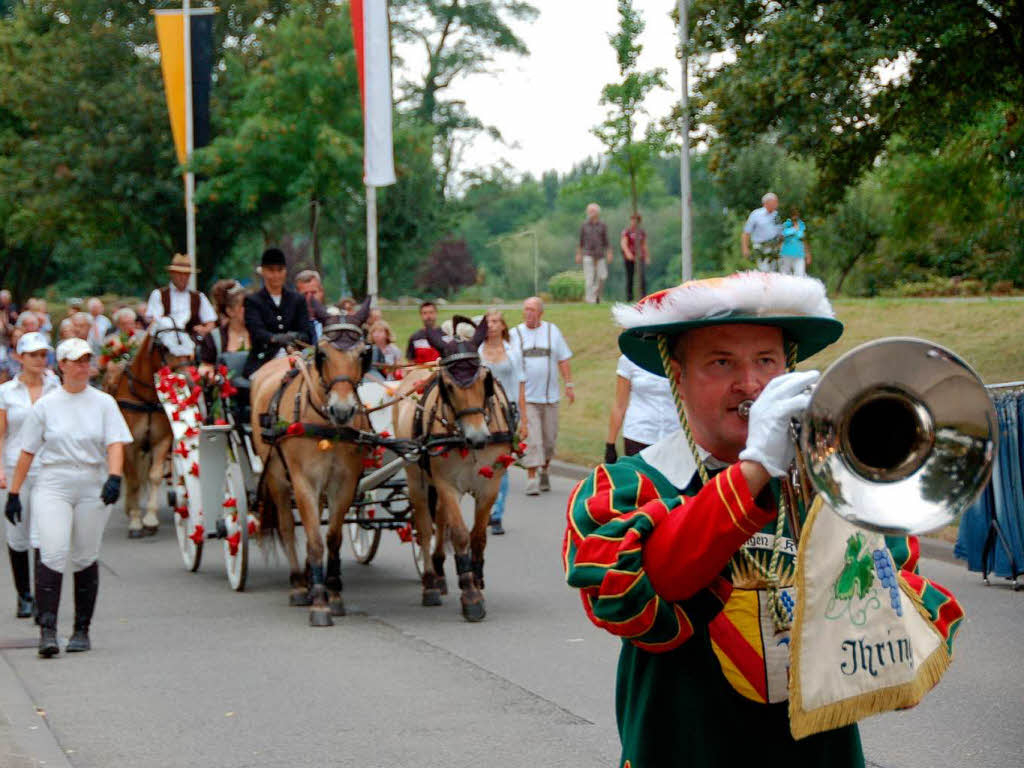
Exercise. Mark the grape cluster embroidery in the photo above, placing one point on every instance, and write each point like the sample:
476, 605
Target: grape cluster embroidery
887, 575
787, 602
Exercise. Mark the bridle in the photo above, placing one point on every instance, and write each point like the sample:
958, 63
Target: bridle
333, 334
162, 349
445, 364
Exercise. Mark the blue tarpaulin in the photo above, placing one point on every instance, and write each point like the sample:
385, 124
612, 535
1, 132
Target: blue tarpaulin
997, 517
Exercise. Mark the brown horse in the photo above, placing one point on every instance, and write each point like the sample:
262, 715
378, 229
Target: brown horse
316, 460
465, 414
134, 389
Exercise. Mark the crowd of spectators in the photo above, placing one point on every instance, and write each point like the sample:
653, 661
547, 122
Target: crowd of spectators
89, 320
81, 319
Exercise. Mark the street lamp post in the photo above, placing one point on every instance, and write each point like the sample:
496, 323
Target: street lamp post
536, 253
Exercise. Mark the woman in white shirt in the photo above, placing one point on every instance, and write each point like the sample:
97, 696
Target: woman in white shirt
507, 367
16, 399
76, 435
643, 410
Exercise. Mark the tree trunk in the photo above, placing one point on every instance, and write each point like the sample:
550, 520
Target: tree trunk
845, 271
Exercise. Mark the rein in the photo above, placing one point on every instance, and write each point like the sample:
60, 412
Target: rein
454, 437
141, 404
271, 433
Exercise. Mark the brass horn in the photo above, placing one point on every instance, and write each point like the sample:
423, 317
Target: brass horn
899, 436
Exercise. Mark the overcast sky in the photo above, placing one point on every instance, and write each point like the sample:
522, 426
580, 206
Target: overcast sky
546, 103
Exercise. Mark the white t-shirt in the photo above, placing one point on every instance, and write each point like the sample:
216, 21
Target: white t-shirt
541, 349
181, 307
651, 414
16, 402
73, 429
101, 326
762, 226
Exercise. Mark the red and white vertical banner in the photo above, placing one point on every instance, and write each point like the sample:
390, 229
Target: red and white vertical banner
373, 55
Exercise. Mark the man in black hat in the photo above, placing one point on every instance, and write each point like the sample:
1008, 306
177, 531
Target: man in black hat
275, 316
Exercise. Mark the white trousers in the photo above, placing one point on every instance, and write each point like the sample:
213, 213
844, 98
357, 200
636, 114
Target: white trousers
23, 535
69, 516
595, 272
791, 265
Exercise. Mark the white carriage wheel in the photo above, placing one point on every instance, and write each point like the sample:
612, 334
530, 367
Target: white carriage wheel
363, 541
236, 565
191, 552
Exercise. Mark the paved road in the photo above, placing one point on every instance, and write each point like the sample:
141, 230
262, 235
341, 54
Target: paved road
187, 672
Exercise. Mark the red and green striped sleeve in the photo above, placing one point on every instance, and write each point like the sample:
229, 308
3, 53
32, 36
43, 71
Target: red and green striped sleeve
936, 603
648, 561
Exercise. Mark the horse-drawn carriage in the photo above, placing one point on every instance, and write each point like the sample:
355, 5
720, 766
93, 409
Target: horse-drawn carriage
322, 446
215, 467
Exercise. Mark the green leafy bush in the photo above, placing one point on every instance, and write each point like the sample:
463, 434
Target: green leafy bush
567, 286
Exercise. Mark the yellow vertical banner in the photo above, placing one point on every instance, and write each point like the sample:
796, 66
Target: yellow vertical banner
170, 34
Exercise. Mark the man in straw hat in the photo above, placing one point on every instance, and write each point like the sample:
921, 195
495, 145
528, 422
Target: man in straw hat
681, 550
190, 310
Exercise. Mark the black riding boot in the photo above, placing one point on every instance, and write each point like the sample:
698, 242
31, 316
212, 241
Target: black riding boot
19, 569
36, 562
48, 601
87, 583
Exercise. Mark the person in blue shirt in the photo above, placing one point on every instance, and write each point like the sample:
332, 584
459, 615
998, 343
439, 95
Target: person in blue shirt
795, 254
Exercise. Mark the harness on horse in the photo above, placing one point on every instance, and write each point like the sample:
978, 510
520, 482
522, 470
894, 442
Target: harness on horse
464, 368
143, 404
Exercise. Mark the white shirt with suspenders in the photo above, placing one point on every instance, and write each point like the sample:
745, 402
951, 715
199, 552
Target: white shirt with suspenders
541, 349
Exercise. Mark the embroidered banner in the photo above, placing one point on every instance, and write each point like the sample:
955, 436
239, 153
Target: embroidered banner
861, 640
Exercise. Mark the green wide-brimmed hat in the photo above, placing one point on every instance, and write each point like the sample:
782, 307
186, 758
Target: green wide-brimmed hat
797, 305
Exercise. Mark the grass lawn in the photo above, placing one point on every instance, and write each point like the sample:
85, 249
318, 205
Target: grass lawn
988, 334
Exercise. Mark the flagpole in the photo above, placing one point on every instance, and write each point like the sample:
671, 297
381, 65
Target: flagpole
190, 178
684, 157
371, 243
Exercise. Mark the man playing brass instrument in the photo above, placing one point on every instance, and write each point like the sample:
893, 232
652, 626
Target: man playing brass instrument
682, 551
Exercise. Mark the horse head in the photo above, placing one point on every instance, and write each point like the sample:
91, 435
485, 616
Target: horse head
341, 361
172, 344
464, 383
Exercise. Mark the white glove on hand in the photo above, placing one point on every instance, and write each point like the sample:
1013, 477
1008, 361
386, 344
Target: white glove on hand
768, 439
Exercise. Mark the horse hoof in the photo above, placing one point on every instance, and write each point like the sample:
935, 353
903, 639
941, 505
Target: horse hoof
300, 598
149, 530
474, 611
442, 585
431, 598
135, 533
320, 617
337, 607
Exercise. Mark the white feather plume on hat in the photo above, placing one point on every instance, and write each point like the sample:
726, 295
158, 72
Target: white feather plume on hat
757, 294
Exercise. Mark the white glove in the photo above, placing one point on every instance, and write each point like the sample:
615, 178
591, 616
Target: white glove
768, 439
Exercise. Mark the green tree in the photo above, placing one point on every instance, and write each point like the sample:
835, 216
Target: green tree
293, 138
87, 150
459, 38
90, 194
836, 80
630, 154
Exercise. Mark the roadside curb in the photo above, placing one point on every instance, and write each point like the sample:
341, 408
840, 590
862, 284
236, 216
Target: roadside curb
931, 547
25, 737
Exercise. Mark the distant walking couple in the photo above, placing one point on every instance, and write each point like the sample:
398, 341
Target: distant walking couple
778, 247
594, 252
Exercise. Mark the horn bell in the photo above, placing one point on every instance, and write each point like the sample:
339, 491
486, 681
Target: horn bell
899, 436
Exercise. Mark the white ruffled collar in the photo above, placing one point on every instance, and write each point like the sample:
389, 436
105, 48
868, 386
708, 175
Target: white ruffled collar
671, 456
